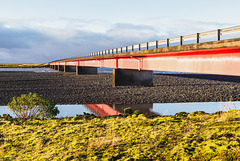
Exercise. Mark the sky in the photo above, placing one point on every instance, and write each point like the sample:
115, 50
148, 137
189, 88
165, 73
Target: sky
41, 31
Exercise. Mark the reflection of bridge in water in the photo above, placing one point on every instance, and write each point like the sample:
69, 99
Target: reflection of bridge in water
117, 109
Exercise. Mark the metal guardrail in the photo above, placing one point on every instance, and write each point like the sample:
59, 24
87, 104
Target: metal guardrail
164, 43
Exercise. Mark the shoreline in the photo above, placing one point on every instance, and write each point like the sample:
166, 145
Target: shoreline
67, 88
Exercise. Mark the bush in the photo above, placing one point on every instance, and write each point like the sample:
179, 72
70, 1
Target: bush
32, 106
137, 112
128, 111
181, 114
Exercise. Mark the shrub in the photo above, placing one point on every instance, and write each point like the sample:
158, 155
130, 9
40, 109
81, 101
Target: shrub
199, 113
128, 111
32, 106
181, 114
137, 112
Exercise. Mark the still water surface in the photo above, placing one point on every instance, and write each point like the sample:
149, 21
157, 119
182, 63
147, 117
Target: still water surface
147, 109
37, 70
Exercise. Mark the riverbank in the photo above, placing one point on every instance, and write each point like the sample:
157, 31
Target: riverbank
67, 88
24, 65
196, 136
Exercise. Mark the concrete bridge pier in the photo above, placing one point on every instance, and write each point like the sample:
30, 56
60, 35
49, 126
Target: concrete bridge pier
69, 68
124, 77
61, 68
86, 70
56, 67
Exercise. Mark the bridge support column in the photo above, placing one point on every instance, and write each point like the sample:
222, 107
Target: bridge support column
56, 67
124, 77
61, 68
69, 68
86, 70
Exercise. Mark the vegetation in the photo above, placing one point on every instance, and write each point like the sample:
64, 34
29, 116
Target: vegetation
32, 106
194, 136
24, 65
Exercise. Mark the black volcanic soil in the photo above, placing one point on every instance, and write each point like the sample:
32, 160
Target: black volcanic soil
90, 89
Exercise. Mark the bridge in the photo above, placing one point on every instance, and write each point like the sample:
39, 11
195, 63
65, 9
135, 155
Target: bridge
211, 52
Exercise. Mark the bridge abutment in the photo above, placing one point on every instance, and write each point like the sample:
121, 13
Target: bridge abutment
123, 77
86, 70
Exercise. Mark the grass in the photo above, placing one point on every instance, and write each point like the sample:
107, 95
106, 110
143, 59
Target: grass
24, 65
195, 136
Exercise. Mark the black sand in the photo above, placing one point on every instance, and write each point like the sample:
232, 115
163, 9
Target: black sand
94, 89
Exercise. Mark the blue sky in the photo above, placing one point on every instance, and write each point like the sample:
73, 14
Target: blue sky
39, 31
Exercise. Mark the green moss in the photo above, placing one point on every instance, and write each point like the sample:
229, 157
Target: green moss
195, 137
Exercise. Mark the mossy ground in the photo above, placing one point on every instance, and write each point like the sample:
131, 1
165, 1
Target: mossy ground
196, 136
24, 65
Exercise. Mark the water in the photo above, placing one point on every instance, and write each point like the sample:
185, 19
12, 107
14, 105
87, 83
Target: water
37, 70
109, 70
147, 109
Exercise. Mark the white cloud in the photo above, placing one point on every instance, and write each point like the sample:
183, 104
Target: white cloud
45, 40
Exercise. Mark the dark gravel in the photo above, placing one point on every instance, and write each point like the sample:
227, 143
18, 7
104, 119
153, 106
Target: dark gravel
85, 89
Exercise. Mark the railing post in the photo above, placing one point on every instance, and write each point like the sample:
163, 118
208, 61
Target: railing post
116, 50
126, 49
168, 44
181, 40
112, 51
132, 47
139, 47
147, 45
198, 37
121, 49
219, 34
156, 44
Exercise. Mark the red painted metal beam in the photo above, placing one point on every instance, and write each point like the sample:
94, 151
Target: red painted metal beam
225, 61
